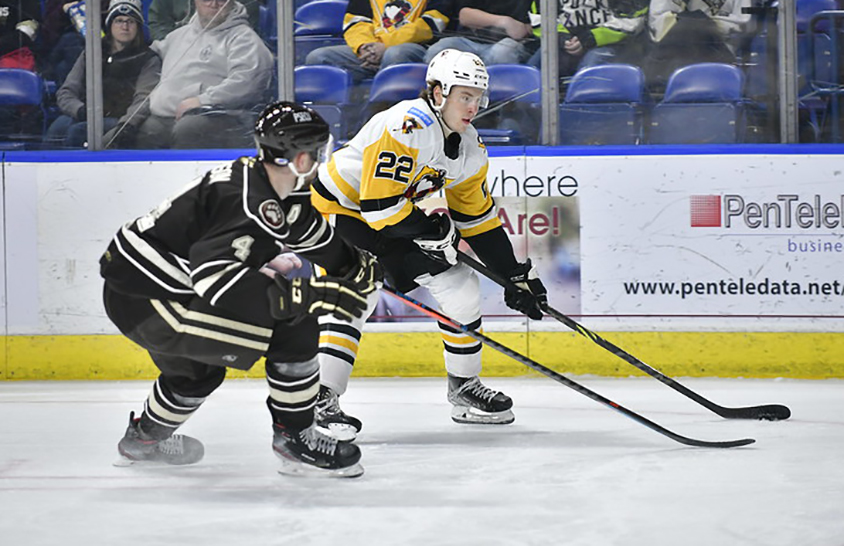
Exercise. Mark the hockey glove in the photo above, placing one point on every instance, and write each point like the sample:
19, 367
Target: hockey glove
532, 296
366, 274
293, 299
441, 246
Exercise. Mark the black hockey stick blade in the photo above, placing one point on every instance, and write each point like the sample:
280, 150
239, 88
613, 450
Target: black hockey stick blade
548, 372
768, 412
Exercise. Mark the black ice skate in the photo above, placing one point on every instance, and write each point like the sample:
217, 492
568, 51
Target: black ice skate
136, 447
475, 403
330, 417
312, 453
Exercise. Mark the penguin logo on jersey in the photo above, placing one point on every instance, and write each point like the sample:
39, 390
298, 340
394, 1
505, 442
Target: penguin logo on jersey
427, 182
395, 13
409, 125
271, 213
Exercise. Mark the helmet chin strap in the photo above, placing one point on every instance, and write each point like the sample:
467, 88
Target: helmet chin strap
438, 110
451, 143
302, 178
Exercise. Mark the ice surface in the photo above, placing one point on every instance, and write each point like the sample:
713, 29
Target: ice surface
568, 471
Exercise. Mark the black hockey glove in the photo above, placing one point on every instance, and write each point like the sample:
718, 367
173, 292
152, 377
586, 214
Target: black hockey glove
367, 274
532, 296
441, 246
293, 299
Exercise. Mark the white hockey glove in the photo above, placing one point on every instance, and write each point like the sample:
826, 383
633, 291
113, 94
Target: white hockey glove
532, 296
366, 275
441, 246
294, 299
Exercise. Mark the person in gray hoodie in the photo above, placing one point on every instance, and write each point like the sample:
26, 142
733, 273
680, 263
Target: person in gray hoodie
130, 70
215, 71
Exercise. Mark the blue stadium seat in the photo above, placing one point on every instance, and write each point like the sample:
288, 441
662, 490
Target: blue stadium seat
398, 82
145, 4
515, 91
703, 103
23, 113
603, 105
822, 99
813, 42
327, 90
266, 24
317, 24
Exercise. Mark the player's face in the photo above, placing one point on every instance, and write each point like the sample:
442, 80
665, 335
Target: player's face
461, 107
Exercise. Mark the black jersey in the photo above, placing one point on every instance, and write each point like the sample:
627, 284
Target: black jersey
211, 239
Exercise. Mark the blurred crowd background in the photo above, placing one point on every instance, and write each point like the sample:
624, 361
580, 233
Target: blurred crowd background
195, 73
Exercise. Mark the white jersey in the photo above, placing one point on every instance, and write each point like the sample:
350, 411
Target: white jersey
397, 159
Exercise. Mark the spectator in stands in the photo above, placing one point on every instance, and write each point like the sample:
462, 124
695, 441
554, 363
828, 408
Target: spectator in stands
62, 37
166, 16
130, 72
399, 33
594, 32
18, 32
497, 31
215, 71
693, 31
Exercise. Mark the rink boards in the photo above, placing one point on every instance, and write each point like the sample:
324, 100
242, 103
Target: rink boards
715, 263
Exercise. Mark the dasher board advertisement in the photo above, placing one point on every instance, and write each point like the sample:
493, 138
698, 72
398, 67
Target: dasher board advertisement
712, 235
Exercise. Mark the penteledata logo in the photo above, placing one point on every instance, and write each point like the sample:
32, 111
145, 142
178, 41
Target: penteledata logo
786, 211
706, 210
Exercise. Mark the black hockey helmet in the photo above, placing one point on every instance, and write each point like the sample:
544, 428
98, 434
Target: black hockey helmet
285, 128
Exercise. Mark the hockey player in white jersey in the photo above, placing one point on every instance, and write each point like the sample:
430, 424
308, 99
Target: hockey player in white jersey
369, 190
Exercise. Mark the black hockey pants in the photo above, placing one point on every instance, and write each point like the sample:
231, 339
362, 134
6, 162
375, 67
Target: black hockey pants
192, 344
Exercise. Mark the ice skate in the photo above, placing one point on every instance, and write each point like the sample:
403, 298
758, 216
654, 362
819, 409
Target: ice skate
474, 403
312, 453
332, 419
137, 448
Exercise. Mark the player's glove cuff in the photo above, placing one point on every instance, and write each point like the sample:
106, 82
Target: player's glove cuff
294, 299
366, 274
531, 296
441, 245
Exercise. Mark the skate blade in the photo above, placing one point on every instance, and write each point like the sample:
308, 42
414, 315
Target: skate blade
339, 431
472, 416
303, 470
123, 462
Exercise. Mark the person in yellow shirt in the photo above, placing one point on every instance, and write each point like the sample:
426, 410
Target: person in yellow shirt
380, 33
369, 191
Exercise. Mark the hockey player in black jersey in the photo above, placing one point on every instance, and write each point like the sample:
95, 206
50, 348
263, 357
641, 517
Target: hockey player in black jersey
185, 283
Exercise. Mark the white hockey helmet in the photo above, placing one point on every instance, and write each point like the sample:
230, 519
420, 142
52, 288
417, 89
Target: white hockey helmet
452, 67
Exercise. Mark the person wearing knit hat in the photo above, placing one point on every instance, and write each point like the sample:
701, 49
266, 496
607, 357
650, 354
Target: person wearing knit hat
129, 8
130, 70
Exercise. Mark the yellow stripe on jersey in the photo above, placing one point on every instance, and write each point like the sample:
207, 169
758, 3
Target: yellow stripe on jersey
388, 168
326, 207
474, 205
347, 189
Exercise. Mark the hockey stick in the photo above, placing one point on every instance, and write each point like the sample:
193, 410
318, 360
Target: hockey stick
770, 412
504, 103
559, 377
